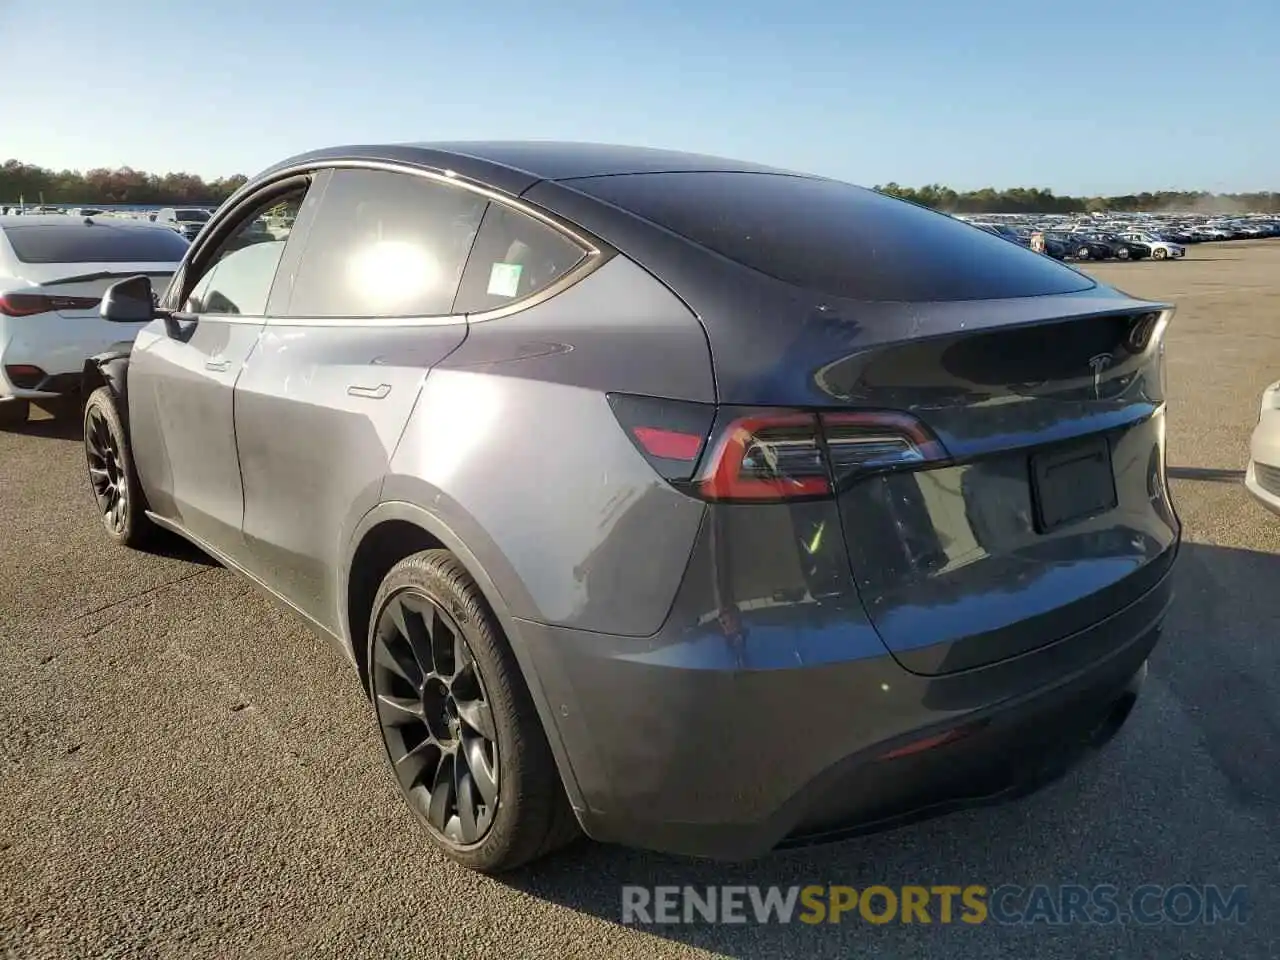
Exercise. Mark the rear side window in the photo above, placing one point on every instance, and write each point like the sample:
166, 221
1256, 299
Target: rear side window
99, 243
835, 238
515, 256
385, 245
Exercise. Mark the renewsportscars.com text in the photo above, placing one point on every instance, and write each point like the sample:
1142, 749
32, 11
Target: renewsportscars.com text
1062, 904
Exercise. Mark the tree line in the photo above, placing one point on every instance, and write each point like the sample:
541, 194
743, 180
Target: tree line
33, 184
36, 184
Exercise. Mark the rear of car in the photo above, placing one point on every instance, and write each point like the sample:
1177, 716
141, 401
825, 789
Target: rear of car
188, 221
1262, 478
936, 535
53, 272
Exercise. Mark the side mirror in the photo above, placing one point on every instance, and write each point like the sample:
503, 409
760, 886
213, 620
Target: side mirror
129, 301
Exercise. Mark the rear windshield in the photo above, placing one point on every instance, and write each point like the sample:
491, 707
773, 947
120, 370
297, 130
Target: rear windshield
99, 243
193, 216
835, 238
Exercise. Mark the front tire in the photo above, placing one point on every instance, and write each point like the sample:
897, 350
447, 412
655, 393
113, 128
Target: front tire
1122, 253
458, 725
1159, 253
13, 414
1083, 253
112, 478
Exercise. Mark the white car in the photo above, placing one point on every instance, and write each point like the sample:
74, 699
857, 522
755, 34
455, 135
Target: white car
53, 271
1262, 478
1161, 249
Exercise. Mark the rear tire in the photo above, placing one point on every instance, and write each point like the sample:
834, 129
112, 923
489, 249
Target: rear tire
13, 414
458, 726
112, 477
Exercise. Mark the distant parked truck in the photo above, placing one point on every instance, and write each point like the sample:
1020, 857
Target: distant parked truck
188, 221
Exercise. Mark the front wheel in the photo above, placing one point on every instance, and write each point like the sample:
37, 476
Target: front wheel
1122, 253
112, 478
1159, 253
1083, 253
458, 725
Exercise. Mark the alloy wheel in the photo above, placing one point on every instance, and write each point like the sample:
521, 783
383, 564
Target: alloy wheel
435, 718
106, 471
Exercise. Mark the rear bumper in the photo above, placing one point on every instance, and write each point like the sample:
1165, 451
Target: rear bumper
57, 345
675, 746
1262, 476
1263, 489
49, 387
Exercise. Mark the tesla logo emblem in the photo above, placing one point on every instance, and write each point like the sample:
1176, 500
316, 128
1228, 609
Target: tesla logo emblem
1098, 364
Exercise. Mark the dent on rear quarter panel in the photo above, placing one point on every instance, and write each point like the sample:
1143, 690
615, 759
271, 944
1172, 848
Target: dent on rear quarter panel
514, 446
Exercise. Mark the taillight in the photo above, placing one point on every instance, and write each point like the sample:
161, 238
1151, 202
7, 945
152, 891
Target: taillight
24, 376
669, 433
766, 455
876, 440
29, 304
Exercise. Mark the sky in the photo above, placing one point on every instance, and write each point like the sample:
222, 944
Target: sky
1079, 96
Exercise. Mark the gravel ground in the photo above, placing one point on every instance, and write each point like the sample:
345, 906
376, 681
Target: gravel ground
186, 772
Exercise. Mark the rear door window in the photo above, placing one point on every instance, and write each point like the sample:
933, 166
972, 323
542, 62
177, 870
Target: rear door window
515, 256
385, 245
835, 238
100, 242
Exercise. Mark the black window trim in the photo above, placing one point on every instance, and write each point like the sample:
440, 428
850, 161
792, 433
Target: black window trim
597, 252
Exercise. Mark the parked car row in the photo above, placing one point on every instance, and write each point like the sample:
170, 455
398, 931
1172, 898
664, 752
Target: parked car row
1083, 245
1134, 237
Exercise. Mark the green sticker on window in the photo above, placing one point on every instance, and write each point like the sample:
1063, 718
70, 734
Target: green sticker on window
504, 279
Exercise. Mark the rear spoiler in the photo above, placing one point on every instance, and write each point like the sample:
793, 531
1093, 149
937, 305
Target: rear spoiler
108, 274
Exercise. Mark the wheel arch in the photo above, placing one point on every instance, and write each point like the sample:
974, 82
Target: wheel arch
110, 369
386, 535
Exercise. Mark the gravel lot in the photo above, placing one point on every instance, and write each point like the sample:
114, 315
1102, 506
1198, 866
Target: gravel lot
186, 772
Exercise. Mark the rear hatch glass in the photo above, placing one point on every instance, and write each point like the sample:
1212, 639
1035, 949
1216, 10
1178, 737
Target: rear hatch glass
835, 238
77, 242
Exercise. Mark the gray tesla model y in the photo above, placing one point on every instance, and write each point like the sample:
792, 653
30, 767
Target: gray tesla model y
694, 504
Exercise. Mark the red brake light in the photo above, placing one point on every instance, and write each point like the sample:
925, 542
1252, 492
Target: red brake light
669, 433
668, 444
767, 456
30, 304
24, 376
927, 743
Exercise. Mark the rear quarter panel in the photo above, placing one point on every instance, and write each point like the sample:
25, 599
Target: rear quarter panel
513, 446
